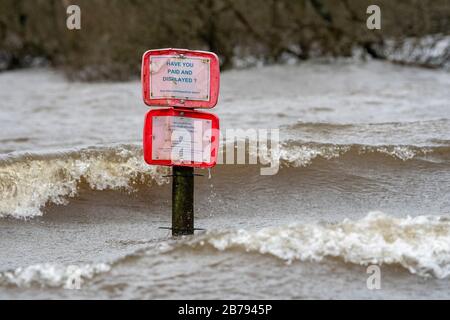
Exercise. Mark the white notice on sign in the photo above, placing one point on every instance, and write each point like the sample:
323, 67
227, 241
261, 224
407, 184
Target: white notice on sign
181, 139
179, 77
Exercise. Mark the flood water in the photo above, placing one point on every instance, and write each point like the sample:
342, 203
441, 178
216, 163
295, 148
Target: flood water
364, 179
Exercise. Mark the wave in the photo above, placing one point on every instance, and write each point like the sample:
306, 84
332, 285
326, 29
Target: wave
30, 181
419, 244
52, 275
298, 154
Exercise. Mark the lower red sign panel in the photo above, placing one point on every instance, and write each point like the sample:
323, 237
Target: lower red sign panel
181, 137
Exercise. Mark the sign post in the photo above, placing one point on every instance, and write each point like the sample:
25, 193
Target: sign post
180, 136
182, 200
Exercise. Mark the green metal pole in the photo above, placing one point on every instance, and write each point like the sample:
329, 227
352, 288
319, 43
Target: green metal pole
182, 201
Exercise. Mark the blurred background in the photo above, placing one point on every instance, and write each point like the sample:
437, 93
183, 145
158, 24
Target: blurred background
115, 33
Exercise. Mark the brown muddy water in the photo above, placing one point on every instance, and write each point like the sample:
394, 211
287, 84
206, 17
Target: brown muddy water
364, 179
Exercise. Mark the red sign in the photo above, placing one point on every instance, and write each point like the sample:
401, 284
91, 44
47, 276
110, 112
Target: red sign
181, 137
180, 78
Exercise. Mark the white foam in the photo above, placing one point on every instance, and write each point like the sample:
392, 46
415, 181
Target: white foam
52, 275
303, 155
420, 244
430, 50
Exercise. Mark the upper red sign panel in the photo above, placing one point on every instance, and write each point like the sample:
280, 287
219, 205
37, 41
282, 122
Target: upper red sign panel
180, 78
